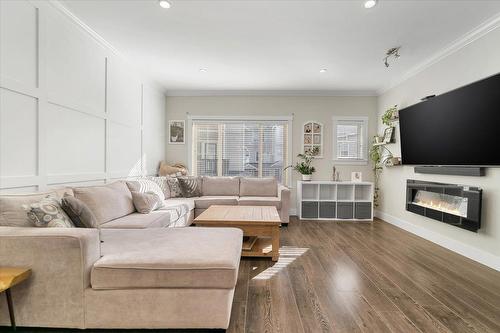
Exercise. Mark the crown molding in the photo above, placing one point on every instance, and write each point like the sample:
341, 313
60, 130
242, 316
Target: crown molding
473, 35
315, 93
60, 7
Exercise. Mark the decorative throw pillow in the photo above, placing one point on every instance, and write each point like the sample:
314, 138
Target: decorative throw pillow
146, 202
174, 186
190, 186
144, 185
48, 213
175, 170
162, 183
79, 213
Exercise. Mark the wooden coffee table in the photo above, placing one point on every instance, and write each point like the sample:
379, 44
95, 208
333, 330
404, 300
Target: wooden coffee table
262, 222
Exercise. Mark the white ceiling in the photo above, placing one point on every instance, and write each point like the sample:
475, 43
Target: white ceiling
280, 45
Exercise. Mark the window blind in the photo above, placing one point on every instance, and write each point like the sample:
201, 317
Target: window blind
350, 140
240, 148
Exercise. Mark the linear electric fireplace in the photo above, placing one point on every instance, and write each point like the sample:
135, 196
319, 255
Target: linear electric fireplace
452, 204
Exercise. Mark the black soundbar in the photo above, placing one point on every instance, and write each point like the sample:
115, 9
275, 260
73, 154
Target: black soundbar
451, 170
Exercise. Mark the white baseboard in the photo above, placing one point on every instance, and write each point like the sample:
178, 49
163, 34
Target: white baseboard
292, 212
468, 251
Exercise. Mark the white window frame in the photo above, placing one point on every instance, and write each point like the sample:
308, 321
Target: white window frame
189, 134
345, 161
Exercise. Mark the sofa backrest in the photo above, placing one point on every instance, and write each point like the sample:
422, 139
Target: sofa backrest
107, 202
221, 186
258, 187
13, 214
11, 208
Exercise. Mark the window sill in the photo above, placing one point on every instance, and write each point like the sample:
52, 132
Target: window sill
351, 162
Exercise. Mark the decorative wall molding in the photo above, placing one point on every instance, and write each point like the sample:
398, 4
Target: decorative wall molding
463, 249
55, 111
313, 93
475, 34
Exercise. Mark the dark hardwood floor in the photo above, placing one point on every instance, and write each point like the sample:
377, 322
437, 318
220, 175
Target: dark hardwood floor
361, 277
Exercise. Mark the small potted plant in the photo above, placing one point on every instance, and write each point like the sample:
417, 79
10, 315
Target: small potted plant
304, 167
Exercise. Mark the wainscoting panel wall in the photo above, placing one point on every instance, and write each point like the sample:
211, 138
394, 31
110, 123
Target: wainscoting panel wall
153, 140
72, 111
76, 72
18, 54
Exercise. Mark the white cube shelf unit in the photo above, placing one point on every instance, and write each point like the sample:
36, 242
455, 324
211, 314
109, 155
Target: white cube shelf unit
327, 200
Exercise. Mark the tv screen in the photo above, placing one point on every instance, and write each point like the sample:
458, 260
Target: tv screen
461, 127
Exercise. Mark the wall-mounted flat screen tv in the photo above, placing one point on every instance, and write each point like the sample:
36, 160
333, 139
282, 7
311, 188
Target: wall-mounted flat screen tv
460, 127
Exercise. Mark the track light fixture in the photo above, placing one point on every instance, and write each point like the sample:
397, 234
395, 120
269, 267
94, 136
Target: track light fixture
392, 52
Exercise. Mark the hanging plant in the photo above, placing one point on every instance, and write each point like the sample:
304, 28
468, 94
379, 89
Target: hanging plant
390, 115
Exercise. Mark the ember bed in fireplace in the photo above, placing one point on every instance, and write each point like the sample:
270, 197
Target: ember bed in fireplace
452, 204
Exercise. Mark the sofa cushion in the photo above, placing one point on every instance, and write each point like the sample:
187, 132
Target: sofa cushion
107, 202
190, 186
178, 207
79, 213
174, 187
260, 201
258, 187
162, 183
207, 201
11, 208
146, 202
143, 185
155, 219
220, 186
48, 213
168, 258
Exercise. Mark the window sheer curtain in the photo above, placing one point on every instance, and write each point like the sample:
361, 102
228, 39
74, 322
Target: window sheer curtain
240, 148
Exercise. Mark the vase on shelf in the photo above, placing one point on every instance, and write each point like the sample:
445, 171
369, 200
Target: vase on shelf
306, 177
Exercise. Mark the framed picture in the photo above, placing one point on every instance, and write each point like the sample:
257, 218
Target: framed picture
176, 131
388, 134
356, 176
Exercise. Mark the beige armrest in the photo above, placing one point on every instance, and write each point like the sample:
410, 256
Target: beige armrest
284, 195
61, 260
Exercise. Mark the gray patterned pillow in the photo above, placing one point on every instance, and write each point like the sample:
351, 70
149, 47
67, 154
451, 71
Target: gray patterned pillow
174, 186
190, 186
162, 183
48, 213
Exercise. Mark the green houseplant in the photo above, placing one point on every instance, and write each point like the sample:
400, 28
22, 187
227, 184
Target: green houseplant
380, 155
390, 115
304, 166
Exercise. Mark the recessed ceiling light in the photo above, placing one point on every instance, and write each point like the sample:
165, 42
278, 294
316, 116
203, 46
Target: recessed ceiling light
164, 4
370, 3
203, 70
323, 70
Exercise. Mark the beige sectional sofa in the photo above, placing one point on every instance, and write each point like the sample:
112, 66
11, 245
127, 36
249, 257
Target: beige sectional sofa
244, 192
134, 270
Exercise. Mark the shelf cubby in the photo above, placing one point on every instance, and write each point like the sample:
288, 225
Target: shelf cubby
327, 192
345, 192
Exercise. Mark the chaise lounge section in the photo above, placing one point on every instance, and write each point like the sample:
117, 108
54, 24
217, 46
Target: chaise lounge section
150, 278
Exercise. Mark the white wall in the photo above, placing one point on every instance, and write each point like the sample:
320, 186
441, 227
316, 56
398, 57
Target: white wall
303, 109
71, 110
473, 62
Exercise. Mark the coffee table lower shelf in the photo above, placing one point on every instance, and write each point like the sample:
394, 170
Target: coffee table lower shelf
261, 248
